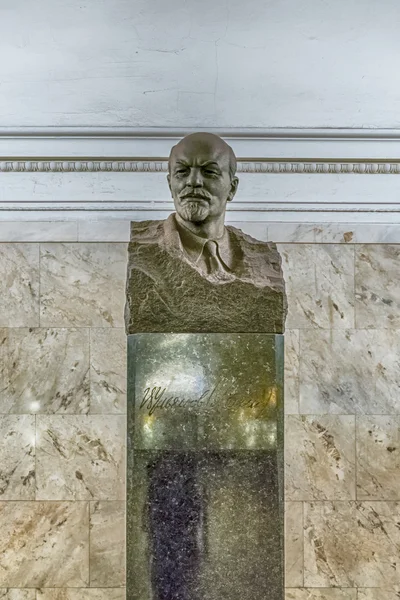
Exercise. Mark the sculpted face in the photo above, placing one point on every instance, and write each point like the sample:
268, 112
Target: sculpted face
201, 178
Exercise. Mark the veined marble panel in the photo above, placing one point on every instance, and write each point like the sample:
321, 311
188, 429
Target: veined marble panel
347, 372
392, 593
291, 371
378, 457
321, 594
359, 233
377, 286
334, 233
319, 285
320, 457
294, 554
80, 457
107, 544
19, 285
108, 371
17, 457
44, 370
82, 284
17, 594
351, 544
292, 232
82, 594
44, 544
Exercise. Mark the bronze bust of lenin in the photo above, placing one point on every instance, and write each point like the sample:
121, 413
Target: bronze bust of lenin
191, 273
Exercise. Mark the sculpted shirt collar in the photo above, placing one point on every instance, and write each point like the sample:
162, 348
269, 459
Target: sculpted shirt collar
193, 244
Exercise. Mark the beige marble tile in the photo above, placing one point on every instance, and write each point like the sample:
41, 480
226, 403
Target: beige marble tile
44, 544
321, 594
82, 594
80, 457
360, 233
294, 533
17, 594
319, 285
347, 372
378, 457
292, 232
351, 544
108, 371
19, 285
292, 364
392, 593
17, 457
82, 284
377, 288
320, 457
44, 370
107, 544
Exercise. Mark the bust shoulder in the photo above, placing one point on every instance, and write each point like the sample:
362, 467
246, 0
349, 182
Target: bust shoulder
146, 232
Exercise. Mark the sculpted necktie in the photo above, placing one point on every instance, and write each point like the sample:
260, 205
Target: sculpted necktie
216, 267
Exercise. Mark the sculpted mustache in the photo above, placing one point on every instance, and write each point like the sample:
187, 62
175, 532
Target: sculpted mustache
193, 195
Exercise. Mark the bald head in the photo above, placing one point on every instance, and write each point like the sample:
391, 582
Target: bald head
202, 143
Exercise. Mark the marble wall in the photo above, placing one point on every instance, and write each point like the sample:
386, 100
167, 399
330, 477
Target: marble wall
63, 407
62, 421
342, 457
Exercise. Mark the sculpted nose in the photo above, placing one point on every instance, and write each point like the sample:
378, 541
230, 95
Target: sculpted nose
195, 179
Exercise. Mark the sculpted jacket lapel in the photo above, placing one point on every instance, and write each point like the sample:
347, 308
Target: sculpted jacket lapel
171, 240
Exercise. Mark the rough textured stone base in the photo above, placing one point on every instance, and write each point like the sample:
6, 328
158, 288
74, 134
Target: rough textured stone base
165, 293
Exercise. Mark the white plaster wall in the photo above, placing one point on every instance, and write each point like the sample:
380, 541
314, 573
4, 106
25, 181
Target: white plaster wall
208, 63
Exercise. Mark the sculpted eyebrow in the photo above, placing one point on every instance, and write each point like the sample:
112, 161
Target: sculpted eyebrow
210, 164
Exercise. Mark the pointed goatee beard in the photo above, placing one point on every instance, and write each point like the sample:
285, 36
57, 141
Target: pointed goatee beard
194, 212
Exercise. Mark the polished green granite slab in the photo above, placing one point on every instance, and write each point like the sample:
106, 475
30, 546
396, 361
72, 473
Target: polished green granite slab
205, 467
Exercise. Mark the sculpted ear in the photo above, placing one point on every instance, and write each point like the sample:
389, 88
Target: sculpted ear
234, 187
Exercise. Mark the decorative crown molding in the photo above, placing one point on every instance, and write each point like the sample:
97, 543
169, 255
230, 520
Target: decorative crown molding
115, 172
142, 166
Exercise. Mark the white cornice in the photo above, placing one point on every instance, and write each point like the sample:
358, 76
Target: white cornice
301, 145
285, 174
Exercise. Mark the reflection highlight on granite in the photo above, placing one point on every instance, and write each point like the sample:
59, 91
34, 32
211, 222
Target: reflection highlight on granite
204, 466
